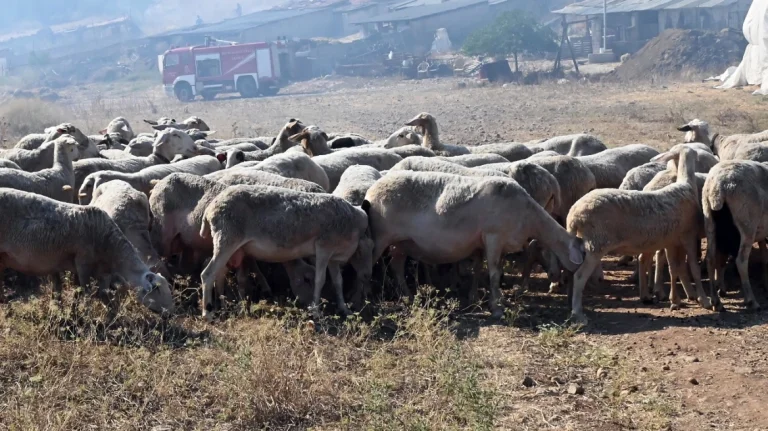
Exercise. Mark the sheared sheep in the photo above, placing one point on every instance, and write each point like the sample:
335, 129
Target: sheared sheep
142, 180
121, 127
410, 210
431, 138
748, 146
631, 222
355, 182
475, 160
274, 224
40, 236
129, 209
56, 182
429, 164
611, 166
292, 165
406, 151
735, 204
581, 144
168, 144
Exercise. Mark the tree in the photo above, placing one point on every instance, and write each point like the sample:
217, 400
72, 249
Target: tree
510, 34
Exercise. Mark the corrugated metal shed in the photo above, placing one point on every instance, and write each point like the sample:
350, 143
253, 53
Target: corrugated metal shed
240, 23
595, 7
416, 12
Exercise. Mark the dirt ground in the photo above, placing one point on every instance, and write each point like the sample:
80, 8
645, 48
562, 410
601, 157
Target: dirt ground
634, 366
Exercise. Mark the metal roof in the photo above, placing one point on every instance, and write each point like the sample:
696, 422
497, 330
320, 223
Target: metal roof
595, 7
416, 12
240, 23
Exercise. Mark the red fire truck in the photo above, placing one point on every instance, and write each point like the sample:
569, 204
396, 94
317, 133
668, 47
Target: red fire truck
251, 69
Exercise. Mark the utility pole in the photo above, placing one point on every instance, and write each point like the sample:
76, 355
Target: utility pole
605, 23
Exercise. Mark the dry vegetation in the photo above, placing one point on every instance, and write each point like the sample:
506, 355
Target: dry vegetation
426, 366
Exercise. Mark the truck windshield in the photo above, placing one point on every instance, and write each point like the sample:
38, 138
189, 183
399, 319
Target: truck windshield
171, 60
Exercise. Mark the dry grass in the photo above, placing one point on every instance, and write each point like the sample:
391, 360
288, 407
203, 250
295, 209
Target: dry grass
20, 117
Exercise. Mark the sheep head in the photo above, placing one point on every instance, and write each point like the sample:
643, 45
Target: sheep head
195, 122
314, 141
695, 131
168, 143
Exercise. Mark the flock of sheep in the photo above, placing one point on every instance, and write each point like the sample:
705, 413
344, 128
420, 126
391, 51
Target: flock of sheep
115, 208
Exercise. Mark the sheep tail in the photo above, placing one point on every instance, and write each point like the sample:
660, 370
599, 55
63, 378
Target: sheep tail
716, 197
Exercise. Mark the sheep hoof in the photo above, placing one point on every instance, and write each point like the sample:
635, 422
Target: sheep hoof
578, 319
705, 302
674, 307
649, 300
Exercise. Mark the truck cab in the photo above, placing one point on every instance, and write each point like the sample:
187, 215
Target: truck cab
251, 69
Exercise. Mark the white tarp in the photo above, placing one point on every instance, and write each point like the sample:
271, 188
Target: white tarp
442, 43
753, 69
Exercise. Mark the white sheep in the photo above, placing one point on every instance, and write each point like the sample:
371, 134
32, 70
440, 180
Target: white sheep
581, 144
56, 182
611, 166
431, 137
355, 182
475, 160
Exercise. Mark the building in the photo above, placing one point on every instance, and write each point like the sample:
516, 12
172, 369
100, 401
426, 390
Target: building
357, 12
631, 23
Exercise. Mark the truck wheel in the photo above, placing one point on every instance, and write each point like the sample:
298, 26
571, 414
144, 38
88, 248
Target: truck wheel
184, 92
247, 87
208, 95
269, 91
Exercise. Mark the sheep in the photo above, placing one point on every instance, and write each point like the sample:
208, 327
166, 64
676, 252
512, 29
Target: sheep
406, 151
262, 142
244, 146
282, 142
512, 151
427, 164
733, 147
538, 182
474, 160
542, 154
355, 182
347, 140
235, 157
336, 163
639, 176
33, 141
40, 236
142, 180
193, 122
56, 182
661, 180
632, 222
705, 160
7, 164
121, 127
431, 139
444, 218
735, 205
129, 209
178, 203
293, 165
401, 137
611, 166
168, 143
140, 146
581, 144
276, 224
31, 160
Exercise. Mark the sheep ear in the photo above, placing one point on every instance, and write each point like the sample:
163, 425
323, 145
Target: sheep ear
103, 132
151, 122
576, 251
685, 128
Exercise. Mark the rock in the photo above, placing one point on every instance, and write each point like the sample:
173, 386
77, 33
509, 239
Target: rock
528, 382
643, 369
693, 381
665, 368
690, 359
558, 381
575, 389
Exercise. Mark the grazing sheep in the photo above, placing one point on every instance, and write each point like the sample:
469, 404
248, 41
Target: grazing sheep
193, 122
475, 160
631, 222
168, 144
428, 164
581, 144
274, 224
40, 236
129, 209
512, 151
638, 177
30, 160
705, 160
355, 182
336, 163
56, 182
142, 180
121, 127
750, 146
431, 138
538, 182
735, 205
611, 166
444, 218
292, 165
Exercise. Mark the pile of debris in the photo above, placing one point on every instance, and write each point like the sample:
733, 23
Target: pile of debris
676, 52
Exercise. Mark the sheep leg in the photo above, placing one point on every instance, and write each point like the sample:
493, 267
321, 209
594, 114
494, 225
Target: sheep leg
643, 268
580, 278
764, 262
56, 284
530, 259
321, 264
692, 253
398, 267
477, 268
493, 252
742, 264
338, 284
265, 290
675, 257
658, 279
215, 272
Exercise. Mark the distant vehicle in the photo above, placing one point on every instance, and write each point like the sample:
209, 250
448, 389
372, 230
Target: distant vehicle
251, 69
